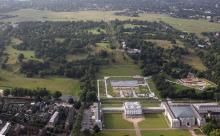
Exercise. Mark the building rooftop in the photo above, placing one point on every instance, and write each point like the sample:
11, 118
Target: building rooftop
132, 105
4, 129
181, 111
127, 83
54, 116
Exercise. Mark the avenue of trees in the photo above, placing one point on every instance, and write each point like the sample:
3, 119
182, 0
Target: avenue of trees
32, 93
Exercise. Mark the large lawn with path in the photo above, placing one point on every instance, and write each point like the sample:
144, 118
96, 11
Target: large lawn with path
153, 121
117, 133
176, 132
116, 121
67, 86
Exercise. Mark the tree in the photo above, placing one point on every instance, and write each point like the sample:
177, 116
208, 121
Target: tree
96, 129
208, 128
77, 105
6, 92
57, 94
20, 57
70, 101
91, 96
215, 132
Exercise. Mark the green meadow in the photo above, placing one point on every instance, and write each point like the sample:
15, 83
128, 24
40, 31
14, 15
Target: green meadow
187, 25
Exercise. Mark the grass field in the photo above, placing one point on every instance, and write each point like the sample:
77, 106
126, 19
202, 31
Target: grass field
179, 87
194, 61
13, 53
96, 31
153, 121
119, 70
153, 87
188, 25
198, 132
166, 44
117, 133
131, 26
102, 88
66, 85
116, 121
166, 133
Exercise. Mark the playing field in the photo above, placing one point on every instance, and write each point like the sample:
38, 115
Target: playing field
119, 70
66, 85
117, 133
166, 44
166, 133
188, 25
153, 121
116, 121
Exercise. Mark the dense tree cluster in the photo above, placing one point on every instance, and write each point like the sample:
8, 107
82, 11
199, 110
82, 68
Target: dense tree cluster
32, 93
212, 128
167, 90
52, 42
211, 57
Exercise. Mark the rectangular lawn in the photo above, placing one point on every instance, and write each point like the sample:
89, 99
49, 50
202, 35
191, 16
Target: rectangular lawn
117, 133
119, 70
153, 121
166, 133
67, 86
116, 121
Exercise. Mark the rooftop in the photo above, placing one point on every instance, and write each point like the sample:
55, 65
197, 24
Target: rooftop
181, 111
127, 83
54, 116
132, 105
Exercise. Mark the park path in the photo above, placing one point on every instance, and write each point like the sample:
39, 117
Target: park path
135, 122
192, 132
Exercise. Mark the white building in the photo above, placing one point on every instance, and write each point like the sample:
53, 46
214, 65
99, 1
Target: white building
53, 119
211, 110
97, 114
5, 129
132, 109
182, 115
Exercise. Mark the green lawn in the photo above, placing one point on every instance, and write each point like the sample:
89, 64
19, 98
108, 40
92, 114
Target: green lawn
102, 88
66, 85
116, 121
166, 44
96, 31
166, 133
153, 121
198, 132
13, 54
194, 61
153, 87
117, 133
119, 70
76, 56
103, 46
179, 87
131, 25
188, 25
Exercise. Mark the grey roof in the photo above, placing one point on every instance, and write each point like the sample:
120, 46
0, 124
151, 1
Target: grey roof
127, 83
182, 111
132, 105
